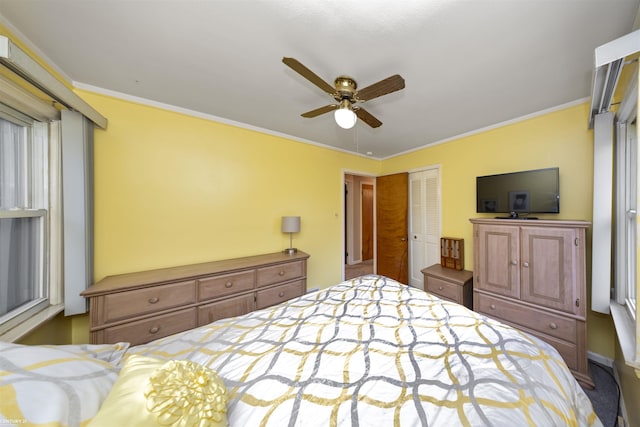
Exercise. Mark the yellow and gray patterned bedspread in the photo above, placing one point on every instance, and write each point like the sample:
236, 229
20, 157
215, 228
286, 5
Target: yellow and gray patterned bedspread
373, 352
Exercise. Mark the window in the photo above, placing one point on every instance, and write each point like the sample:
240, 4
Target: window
39, 275
626, 217
24, 217
624, 304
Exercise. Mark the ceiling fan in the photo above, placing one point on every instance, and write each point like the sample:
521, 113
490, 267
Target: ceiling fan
346, 95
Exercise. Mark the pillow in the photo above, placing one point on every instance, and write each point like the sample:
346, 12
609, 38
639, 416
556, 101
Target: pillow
111, 353
50, 385
152, 392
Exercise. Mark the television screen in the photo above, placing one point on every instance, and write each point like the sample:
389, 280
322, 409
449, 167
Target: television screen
534, 191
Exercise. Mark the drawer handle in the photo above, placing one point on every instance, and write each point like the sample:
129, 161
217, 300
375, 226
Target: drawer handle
492, 306
281, 272
154, 330
440, 288
553, 325
154, 300
281, 294
228, 284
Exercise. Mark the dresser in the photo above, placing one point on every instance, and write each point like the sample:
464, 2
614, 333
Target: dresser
449, 284
144, 306
531, 274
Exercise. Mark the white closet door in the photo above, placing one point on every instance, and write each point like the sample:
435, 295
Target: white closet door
424, 223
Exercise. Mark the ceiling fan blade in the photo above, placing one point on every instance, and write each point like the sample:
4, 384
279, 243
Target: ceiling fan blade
366, 117
383, 87
296, 66
321, 110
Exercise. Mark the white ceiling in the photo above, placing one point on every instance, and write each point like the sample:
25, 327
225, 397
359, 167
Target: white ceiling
468, 64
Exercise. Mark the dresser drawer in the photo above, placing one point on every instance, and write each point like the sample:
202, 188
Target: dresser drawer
142, 331
219, 286
444, 289
229, 307
278, 294
568, 351
279, 273
137, 302
536, 320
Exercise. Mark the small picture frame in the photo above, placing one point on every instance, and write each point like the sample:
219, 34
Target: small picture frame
519, 201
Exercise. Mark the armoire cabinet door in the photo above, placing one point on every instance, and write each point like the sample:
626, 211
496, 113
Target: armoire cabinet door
497, 256
549, 267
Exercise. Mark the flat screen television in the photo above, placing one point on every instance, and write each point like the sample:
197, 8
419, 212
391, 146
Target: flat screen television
517, 193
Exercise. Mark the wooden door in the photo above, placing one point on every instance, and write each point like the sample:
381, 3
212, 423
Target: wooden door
497, 259
367, 222
391, 225
548, 267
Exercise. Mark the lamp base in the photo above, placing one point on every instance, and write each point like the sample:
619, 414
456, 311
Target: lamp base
290, 251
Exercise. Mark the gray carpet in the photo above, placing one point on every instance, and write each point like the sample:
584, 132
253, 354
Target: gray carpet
605, 397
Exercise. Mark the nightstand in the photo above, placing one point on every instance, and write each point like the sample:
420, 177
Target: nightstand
449, 284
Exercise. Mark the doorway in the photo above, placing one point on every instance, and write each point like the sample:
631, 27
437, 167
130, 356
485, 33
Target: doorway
369, 249
359, 225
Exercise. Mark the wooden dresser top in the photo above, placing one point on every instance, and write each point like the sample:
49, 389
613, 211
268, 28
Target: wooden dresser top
187, 272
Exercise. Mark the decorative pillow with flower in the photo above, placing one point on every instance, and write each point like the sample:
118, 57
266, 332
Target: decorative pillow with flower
153, 392
55, 385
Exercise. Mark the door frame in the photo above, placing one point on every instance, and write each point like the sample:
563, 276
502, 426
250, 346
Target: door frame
345, 215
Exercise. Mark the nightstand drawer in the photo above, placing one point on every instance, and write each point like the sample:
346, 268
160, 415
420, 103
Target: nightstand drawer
452, 285
214, 287
443, 289
122, 305
143, 331
279, 273
278, 294
547, 323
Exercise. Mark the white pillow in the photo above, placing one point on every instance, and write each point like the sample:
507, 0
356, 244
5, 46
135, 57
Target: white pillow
111, 353
56, 385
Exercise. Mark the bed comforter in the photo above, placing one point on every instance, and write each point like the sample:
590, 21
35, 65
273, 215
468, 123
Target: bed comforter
374, 352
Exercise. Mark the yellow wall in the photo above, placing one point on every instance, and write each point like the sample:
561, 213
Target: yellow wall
172, 189
559, 138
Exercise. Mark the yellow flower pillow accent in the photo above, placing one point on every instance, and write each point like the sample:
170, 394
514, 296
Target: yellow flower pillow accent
152, 392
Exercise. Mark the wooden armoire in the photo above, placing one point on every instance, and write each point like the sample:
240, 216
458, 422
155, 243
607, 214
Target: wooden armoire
531, 274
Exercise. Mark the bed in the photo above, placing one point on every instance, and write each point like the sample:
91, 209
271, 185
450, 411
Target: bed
366, 352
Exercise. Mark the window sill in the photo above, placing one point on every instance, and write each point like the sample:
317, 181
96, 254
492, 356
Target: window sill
31, 324
626, 331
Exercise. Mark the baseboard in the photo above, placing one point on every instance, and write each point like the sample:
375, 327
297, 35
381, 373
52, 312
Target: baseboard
598, 358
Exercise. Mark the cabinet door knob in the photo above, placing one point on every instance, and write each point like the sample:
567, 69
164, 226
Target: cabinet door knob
228, 284
514, 262
526, 264
153, 300
281, 294
553, 325
492, 306
281, 272
154, 330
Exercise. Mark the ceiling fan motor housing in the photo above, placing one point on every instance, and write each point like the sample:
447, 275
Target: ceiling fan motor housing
346, 87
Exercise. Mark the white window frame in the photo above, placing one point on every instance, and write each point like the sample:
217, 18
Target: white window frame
624, 303
43, 202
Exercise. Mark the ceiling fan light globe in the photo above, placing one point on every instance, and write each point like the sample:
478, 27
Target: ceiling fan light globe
345, 118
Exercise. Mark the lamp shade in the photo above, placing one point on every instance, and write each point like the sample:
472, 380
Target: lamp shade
290, 224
